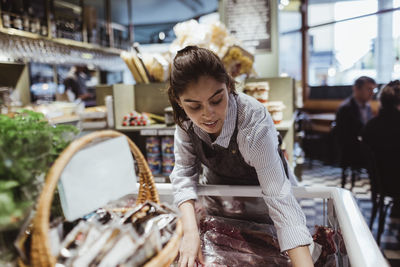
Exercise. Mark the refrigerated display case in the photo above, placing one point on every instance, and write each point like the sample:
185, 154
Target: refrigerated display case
340, 211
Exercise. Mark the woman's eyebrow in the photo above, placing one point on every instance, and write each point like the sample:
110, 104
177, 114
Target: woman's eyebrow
216, 93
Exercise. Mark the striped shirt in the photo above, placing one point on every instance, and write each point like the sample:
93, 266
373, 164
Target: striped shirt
258, 143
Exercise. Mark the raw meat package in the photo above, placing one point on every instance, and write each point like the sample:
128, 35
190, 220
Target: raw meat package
231, 242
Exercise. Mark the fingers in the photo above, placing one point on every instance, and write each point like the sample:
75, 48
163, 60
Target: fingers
182, 261
191, 262
186, 262
200, 257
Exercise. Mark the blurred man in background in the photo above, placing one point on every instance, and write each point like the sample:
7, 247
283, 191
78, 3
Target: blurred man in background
382, 135
351, 117
75, 86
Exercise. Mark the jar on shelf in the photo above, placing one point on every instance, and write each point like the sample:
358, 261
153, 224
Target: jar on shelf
275, 108
169, 116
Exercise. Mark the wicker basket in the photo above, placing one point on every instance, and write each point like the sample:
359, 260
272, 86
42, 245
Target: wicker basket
40, 249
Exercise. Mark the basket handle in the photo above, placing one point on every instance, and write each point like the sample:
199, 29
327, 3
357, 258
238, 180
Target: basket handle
40, 253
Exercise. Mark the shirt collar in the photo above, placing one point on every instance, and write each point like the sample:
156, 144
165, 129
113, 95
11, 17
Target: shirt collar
360, 105
227, 129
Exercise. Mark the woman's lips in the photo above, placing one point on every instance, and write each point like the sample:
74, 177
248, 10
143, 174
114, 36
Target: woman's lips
211, 124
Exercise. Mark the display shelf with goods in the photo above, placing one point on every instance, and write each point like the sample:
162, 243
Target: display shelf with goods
282, 89
65, 22
24, 45
152, 98
28, 16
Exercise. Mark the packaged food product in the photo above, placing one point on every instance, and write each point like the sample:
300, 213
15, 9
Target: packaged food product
167, 145
135, 65
275, 108
135, 118
231, 242
154, 161
168, 157
168, 164
258, 90
128, 239
157, 66
153, 144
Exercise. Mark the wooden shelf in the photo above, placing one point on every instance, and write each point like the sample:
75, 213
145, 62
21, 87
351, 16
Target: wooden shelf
149, 130
284, 125
62, 41
162, 129
65, 119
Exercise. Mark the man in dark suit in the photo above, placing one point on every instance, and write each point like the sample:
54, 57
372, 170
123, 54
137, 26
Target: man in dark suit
382, 135
351, 117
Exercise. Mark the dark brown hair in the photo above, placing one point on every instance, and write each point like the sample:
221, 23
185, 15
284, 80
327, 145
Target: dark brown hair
189, 65
363, 80
390, 95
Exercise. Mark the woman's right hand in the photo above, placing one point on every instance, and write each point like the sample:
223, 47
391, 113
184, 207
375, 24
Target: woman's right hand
190, 250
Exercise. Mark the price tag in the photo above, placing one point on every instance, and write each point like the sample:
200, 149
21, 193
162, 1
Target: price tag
148, 132
168, 132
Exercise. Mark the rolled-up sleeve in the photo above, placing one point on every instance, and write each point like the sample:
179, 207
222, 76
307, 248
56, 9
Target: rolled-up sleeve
258, 144
185, 175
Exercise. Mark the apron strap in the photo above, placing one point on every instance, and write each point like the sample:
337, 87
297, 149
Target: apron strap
282, 156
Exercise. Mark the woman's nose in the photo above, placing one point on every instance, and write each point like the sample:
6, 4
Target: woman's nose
208, 111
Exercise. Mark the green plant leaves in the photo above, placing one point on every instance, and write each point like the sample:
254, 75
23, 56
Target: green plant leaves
28, 147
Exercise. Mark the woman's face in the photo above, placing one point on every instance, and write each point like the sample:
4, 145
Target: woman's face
206, 103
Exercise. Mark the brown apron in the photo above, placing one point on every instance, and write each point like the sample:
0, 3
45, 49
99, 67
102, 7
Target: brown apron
226, 166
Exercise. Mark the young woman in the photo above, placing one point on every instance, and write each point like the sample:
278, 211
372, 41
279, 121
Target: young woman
233, 136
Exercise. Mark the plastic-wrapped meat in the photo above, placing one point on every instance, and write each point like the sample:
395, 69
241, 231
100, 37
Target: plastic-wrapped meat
218, 225
231, 242
239, 245
242, 230
217, 255
330, 241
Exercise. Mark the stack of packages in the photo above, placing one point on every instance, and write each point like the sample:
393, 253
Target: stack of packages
168, 158
94, 118
153, 154
114, 235
260, 91
161, 159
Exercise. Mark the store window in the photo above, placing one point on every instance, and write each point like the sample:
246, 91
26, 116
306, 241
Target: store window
290, 43
344, 46
290, 55
341, 52
320, 13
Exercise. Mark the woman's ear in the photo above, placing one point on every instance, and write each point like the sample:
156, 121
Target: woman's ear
179, 102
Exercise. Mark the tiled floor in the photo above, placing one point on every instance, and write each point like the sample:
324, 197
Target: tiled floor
325, 175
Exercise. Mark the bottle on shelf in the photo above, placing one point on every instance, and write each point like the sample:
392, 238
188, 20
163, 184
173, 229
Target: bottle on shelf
18, 10
6, 6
